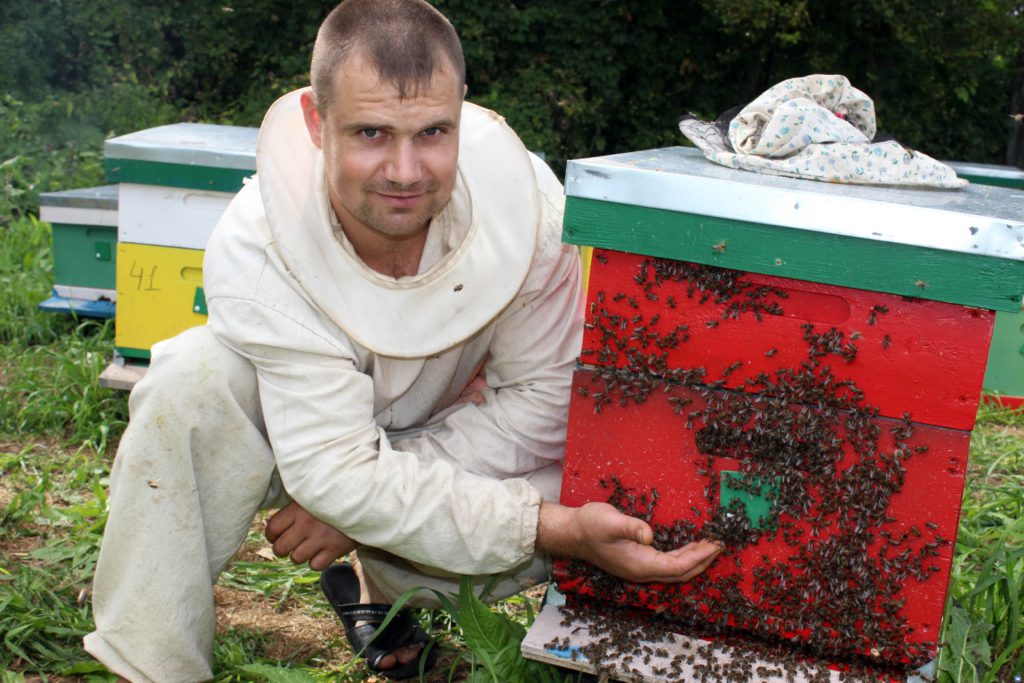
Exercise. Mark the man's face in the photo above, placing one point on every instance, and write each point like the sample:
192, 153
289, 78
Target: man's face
390, 164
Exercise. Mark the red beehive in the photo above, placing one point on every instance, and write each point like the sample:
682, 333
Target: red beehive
814, 413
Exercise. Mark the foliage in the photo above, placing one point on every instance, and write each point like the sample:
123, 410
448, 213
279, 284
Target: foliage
584, 78
274, 674
55, 390
575, 78
49, 364
220, 60
43, 610
26, 266
42, 147
278, 580
492, 641
238, 657
941, 73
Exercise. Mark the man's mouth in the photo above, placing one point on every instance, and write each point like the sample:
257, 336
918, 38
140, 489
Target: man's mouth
400, 200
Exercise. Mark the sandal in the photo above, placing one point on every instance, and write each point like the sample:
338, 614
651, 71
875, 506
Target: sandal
341, 586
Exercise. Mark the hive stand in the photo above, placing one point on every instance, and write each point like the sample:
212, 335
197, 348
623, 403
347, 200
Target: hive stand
792, 366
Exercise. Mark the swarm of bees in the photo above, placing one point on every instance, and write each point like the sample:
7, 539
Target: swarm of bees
836, 593
620, 644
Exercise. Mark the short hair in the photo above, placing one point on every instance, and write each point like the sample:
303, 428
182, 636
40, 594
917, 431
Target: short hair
406, 41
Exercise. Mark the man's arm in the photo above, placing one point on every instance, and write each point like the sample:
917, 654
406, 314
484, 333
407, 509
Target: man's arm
618, 544
596, 532
447, 503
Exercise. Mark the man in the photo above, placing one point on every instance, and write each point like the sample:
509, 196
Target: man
393, 326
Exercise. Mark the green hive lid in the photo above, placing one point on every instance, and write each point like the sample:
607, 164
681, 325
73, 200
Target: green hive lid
989, 174
962, 246
103, 197
190, 155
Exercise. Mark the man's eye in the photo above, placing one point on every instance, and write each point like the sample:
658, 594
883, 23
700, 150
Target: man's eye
369, 133
432, 131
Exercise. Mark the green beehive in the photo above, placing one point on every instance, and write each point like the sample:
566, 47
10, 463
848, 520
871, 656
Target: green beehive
1005, 371
990, 174
84, 249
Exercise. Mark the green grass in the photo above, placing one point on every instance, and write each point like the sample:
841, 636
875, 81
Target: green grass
56, 518
983, 628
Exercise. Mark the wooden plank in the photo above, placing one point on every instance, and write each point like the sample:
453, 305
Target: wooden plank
697, 659
922, 357
122, 376
967, 279
650, 446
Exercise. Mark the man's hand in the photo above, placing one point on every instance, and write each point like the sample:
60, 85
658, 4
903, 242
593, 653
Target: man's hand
618, 544
301, 536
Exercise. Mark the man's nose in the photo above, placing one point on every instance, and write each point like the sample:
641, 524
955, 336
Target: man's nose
403, 167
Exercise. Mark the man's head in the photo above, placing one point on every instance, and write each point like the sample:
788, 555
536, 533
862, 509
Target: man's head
406, 42
388, 81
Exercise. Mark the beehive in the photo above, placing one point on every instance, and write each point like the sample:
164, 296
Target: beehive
1004, 373
990, 174
175, 182
84, 223
793, 367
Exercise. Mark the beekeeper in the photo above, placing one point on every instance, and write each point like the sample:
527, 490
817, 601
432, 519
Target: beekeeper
393, 326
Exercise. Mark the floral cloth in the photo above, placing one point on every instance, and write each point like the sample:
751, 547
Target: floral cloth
817, 127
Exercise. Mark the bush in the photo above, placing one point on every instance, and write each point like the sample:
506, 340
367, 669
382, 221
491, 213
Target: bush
575, 77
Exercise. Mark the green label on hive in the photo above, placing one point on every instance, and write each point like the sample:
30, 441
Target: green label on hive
753, 493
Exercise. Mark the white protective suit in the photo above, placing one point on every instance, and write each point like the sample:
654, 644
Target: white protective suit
357, 386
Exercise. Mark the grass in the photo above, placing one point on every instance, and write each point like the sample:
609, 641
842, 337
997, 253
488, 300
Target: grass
54, 520
58, 428
983, 627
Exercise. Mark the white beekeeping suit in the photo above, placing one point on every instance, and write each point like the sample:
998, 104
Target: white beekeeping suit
345, 387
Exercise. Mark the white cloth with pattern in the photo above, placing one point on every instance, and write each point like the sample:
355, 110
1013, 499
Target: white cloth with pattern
816, 127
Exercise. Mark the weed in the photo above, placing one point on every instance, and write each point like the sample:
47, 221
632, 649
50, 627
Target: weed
492, 641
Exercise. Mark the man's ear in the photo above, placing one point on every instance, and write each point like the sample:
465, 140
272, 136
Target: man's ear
311, 114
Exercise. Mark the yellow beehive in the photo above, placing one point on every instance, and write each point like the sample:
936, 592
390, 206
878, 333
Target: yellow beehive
175, 182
